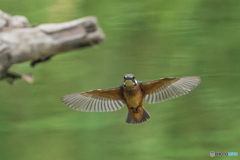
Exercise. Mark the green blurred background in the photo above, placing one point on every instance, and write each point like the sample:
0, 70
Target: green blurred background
150, 39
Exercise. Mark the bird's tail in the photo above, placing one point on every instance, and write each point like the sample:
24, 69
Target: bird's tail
145, 117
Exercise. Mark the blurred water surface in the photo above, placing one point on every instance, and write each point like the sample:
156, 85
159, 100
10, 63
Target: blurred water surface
150, 39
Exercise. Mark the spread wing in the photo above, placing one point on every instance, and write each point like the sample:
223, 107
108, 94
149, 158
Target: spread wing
96, 100
167, 88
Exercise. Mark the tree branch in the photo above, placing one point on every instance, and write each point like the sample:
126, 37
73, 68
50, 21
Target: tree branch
20, 43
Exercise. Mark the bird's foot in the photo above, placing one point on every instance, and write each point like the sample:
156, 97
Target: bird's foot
135, 110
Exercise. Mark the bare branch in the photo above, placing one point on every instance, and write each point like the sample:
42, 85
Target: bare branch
20, 43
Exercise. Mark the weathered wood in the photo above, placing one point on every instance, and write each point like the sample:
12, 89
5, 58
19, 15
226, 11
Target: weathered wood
20, 43
8, 22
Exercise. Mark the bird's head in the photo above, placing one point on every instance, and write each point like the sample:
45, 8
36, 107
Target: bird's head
129, 80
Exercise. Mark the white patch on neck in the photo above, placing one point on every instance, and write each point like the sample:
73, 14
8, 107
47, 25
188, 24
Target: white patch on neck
129, 83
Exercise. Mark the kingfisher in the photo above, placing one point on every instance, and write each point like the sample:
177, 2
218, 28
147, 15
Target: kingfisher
132, 93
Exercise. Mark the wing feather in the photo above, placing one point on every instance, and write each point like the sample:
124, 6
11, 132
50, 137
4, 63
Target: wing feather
96, 100
167, 88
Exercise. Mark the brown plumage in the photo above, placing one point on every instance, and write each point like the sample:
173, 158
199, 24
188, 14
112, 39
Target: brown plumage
132, 94
134, 98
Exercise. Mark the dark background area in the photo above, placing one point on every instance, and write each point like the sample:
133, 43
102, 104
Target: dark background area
150, 39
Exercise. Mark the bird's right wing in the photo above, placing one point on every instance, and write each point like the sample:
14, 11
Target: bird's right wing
96, 100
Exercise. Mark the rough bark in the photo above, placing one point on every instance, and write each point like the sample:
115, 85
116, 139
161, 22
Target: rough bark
19, 42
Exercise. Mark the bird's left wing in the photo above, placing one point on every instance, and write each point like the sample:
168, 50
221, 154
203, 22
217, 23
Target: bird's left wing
167, 88
96, 100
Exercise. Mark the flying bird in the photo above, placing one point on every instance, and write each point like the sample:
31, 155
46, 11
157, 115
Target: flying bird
131, 93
